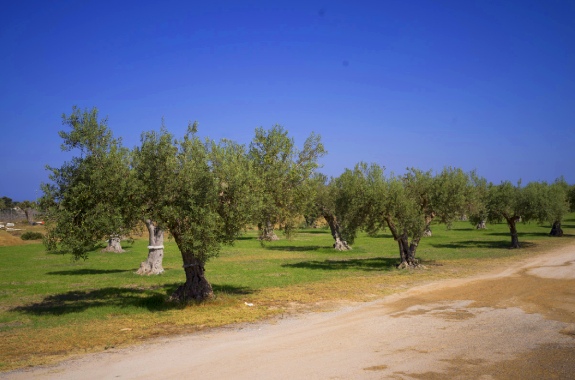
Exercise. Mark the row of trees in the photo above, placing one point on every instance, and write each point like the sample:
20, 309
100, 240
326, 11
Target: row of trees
205, 193
366, 198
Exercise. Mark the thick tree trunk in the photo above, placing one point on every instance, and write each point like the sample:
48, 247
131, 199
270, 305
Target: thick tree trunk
512, 223
556, 229
267, 232
197, 288
153, 265
340, 244
406, 251
114, 245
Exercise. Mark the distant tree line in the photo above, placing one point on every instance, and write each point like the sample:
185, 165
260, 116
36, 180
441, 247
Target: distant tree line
205, 193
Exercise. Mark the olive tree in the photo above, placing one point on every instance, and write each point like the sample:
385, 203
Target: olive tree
514, 203
478, 192
444, 196
283, 177
371, 201
324, 205
87, 198
406, 205
559, 205
201, 193
548, 203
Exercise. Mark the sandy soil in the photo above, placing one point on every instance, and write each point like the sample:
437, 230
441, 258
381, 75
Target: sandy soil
518, 323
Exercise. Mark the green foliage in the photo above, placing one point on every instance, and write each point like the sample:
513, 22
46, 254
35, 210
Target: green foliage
505, 202
445, 196
6, 202
368, 199
350, 191
326, 195
27, 204
477, 196
284, 175
31, 235
571, 197
87, 199
537, 201
201, 191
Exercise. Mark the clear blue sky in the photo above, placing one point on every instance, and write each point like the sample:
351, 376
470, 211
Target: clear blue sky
485, 85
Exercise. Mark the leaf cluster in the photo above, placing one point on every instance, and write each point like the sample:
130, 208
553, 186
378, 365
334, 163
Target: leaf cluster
84, 202
537, 201
284, 175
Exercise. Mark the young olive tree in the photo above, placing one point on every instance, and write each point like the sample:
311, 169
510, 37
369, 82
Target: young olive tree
86, 200
283, 177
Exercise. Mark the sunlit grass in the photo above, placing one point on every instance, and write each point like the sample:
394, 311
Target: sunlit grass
52, 306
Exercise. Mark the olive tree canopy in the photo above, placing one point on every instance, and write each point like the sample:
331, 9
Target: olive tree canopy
283, 178
86, 199
198, 190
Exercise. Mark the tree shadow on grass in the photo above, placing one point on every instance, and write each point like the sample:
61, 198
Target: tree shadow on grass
371, 264
519, 234
318, 231
499, 244
297, 248
247, 238
231, 289
78, 272
77, 301
382, 235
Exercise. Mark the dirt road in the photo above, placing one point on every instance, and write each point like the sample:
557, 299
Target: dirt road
515, 324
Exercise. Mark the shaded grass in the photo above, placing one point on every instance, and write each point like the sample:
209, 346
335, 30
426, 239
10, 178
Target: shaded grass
52, 306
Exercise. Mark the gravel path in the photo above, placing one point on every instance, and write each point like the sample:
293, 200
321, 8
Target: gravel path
515, 324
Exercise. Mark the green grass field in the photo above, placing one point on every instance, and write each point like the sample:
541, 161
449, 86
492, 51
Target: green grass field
52, 307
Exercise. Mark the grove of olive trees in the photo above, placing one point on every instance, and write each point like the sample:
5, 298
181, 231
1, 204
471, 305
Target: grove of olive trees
205, 193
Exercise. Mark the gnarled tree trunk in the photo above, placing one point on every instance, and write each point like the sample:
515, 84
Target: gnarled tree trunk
406, 250
512, 223
340, 244
153, 265
196, 288
114, 245
267, 231
556, 229
428, 220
